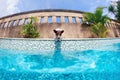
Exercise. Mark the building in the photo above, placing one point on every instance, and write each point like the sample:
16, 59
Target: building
69, 20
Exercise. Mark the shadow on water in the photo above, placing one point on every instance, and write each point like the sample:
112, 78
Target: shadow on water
59, 58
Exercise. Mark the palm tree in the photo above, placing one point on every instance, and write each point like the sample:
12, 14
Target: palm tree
111, 9
115, 9
97, 21
99, 30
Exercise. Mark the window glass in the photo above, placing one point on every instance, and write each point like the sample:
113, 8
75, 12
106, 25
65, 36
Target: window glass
66, 19
26, 21
80, 19
49, 19
20, 22
14, 23
73, 19
58, 19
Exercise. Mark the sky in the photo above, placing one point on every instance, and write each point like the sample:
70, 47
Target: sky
8, 7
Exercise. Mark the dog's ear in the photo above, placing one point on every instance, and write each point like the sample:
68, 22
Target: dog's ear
62, 31
55, 31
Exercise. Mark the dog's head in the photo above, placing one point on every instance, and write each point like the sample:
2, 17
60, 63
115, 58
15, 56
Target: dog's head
58, 32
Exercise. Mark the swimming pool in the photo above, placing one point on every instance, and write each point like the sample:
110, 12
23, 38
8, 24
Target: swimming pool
75, 59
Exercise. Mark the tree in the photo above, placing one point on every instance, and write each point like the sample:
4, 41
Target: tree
115, 9
111, 9
118, 11
99, 30
97, 21
30, 30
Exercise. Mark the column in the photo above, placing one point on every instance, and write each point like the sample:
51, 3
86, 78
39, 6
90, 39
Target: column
22, 21
17, 22
45, 19
29, 19
62, 19
77, 20
38, 19
70, 19
53, 19
11, 23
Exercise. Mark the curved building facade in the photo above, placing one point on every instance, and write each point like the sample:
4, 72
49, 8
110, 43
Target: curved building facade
48, 20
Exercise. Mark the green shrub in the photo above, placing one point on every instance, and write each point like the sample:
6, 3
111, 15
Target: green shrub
30, 30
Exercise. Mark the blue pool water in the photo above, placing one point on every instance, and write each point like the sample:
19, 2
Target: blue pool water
100, 63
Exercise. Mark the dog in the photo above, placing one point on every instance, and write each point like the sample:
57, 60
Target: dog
58, 33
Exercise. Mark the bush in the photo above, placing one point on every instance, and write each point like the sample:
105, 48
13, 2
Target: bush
29, 30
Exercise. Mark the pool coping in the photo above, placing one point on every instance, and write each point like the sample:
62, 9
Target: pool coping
49, 44
65, 39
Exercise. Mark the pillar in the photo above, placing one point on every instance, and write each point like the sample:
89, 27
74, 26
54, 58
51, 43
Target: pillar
17, 22
45, 19
77, 20
62, 19
70, 19
29, 19
38, 19
53, 19
22, 21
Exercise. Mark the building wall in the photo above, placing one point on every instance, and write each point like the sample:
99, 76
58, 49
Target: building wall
69, 21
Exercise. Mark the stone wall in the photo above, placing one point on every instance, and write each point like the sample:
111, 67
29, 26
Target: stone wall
69, 20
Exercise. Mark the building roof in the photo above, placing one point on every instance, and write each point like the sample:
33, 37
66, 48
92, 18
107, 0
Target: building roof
44, 10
